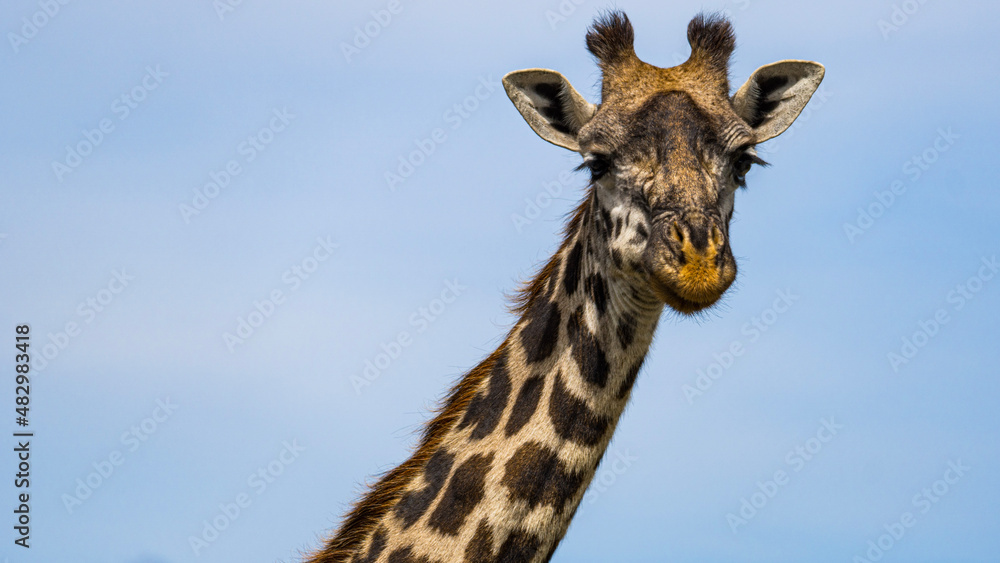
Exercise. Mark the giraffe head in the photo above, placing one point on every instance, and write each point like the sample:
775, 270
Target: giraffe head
667, 149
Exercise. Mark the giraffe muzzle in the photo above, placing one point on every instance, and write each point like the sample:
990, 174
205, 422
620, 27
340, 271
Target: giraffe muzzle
689, 262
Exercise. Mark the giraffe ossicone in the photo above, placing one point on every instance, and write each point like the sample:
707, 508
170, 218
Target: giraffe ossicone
502, 467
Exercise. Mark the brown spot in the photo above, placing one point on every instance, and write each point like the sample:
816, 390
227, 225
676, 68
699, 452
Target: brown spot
535, 475
629, 380
405, 555
525, 405
616, 258
519, 546
485, 409
571, 278
541, 333
375, 549
626, 330
480, 548
413, 504
572, 418
598, 292
465, 491
587, 352
606, 220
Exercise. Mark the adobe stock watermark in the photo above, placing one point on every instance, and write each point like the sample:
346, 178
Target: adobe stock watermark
922, 503
615, 464
957, 298
533, 206
131, 439
420, 320
31, 25
914, 168
752, 330
122, 107
898, 17
795, 460
87, 310
225, 7
454, 117
292, 278
256, 484
249, 149
366, 33
561, 12
741, 5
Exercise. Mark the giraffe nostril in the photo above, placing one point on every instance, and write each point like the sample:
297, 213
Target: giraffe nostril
677, 232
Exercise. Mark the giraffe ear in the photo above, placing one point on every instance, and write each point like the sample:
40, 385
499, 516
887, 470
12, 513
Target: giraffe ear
775, 94
550, 105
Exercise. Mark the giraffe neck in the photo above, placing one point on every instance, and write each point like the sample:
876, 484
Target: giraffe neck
504, 465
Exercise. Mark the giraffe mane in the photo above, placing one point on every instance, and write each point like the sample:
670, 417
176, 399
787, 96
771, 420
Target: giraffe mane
531, 289
359, 524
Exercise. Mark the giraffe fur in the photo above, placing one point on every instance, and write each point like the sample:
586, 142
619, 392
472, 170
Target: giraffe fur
501, 468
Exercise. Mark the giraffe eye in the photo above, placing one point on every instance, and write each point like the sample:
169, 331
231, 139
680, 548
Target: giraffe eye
743, 164
740, 169
598, 164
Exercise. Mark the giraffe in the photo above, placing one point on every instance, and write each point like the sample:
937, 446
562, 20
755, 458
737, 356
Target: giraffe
502, 467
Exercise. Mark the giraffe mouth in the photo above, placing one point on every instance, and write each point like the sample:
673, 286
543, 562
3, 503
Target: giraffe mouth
689, 262
693, 286
680, 303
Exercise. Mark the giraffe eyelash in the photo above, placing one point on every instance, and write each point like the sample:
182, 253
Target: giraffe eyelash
742, 165
598, 164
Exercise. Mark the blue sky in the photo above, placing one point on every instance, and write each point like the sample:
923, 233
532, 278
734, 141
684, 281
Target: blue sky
134, 295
